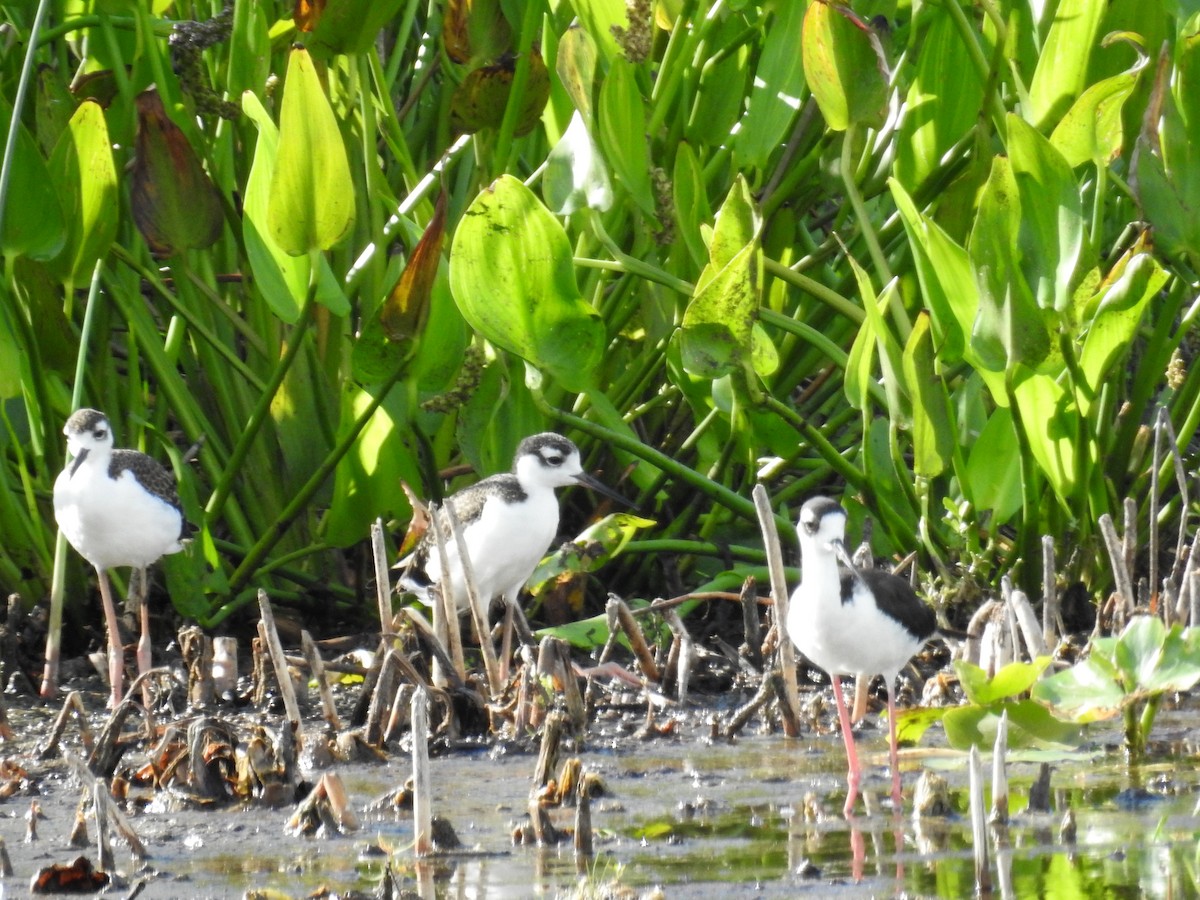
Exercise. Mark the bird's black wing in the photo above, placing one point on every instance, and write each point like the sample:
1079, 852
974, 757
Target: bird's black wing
895, 597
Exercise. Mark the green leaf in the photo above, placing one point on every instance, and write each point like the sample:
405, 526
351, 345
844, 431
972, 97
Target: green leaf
692, 208
33, 219
717, 331
623, 133
1051, 422
932, 429
599, 17
575, 64
1087, 692
513, 278
576, 177
1011, 681
351, 26
1062, 67
943, 101
311, 206
1091, 130
85, 179
282, 277
994, 468
844, 66
874, 334
912, 723
1052, 228
775, 96
1029, 725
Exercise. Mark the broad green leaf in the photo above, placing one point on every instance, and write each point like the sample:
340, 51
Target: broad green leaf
943, 101
1029, 725
1138, 651
1051, 424
33, 219
1091, 130
691, 202
10, 359
716, 333
775, 96
282, 277
1062, 67
932, 429
1010, 682
1178, 666
575, 63
912, 723
726, 79
599, 17
311, 206
1123, 300
1052, 226
891, 356
591, 549
1086, 692
844, 66
994, 468
576, 177
85, 179
1009, 327
622, 120
513, 278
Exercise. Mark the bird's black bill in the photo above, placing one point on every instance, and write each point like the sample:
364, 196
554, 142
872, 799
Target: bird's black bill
840, 549
78, 461
601, 488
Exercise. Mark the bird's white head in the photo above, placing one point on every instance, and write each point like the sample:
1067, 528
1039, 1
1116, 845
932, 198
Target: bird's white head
822, 527
547, 460
87, 431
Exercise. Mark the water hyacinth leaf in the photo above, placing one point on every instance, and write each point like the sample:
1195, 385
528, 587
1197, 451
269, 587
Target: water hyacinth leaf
33, 219
932, 428
350, 26
1091, 131
1089, 691
591, 549
943, 101
717, 328
406, 307
282, 276
1051, 424
1062, 66
85, 180
575, 64
576, 177
844, 66
480, 101
1011, 681
774, 98
1177, 667
173, 201
623, 133
311, 206
512, 276
53, 106
1052, 227
1030, 725
1008, 327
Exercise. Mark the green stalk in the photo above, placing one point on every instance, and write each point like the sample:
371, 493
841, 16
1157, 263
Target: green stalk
754, 555
262, 408
250, 564
826, 295
520, 82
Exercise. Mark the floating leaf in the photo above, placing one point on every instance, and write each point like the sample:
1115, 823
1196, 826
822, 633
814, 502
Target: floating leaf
174, 202
513, 277
311, 206
480, 101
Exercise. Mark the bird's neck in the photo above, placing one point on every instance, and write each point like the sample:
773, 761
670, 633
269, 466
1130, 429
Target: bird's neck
819, 573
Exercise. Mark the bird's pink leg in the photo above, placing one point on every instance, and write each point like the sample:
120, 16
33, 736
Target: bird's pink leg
894, 753
854, 776
116, 652
144, 658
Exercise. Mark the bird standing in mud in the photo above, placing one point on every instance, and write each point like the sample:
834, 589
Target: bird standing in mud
853, 622
116, 508
508, 523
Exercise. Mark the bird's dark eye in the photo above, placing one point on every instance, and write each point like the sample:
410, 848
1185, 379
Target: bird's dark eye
810, 525
99, 433
554, 460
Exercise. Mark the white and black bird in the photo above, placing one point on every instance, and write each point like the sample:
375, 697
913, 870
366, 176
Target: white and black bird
116, 508
849, 621
508, 522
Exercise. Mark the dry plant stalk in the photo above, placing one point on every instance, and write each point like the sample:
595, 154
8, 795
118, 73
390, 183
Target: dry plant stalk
422, 780
383, 582
787, 650
316, 667
286, 689
1000, 774
478, 604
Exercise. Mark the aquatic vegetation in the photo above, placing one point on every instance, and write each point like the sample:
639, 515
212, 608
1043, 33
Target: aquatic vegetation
1126, 675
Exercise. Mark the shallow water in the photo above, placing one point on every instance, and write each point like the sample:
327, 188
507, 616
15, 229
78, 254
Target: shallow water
702, 820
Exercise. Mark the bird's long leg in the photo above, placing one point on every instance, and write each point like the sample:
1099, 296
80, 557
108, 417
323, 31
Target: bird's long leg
144, 656
116, 653
894, 753
854, 776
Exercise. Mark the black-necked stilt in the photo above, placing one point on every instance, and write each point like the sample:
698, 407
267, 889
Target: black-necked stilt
853, 622
116, 508
508, 523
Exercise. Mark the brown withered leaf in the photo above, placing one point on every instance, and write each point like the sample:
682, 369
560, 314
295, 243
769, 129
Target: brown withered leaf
479, 102
174, 203
406, 307
475, 30
307, 13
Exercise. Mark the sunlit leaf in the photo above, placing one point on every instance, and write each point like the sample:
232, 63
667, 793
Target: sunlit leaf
351, 26
1062, 67
932, 428
599, 17
512, 274
174, 202
844, 66
1029, 725
1010, 682
1051, 420
1091, 131
775, 97
622, 120
575, 64
994, 468
311, 206
576, 176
